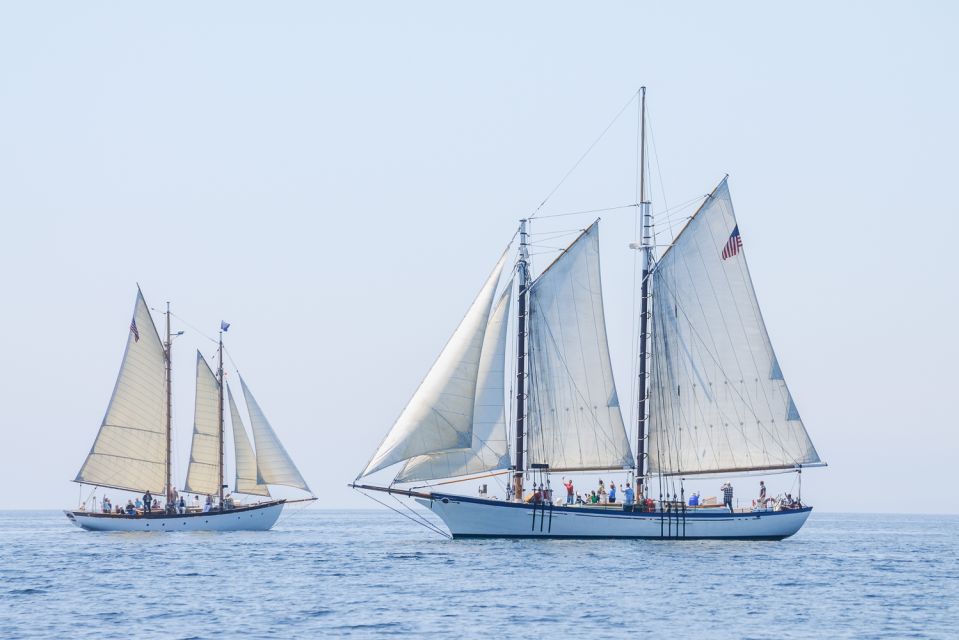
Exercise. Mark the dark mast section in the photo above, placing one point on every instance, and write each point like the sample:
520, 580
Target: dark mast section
522, 285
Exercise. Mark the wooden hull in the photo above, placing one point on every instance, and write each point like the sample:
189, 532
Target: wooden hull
258, 517
480, 518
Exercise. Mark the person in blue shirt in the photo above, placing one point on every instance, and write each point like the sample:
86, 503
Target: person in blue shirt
629, 496
612, 492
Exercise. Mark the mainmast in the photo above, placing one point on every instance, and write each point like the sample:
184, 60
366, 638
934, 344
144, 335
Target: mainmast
522, 284
647, 248
169, 409
219, 431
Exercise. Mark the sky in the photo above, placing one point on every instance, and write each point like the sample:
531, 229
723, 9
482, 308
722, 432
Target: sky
336, 180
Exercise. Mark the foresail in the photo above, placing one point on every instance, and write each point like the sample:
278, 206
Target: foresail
573, 418
718, 400
273, 463
439, 416
203, 474
245, 458
489, 448
130, 450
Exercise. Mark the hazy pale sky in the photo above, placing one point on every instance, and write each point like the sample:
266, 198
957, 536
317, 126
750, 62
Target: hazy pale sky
336, 180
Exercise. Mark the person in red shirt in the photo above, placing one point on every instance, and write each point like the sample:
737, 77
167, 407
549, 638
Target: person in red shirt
570, 494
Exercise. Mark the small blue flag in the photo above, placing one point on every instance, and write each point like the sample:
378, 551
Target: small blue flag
224, 325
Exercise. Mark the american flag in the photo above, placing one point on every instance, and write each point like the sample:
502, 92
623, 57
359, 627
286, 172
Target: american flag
734, 244
133, 329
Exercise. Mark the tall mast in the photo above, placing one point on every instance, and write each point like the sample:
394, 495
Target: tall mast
219, 432
647, 248
169, 409
523, 283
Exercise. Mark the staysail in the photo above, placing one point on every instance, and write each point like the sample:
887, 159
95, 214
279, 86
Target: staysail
273, 463
573, 418
718, 400
130, 450
439, 416
489, 448
203, 474
245, 458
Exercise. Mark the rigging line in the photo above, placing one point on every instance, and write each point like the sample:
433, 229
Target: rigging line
194, 328
421, 518
394, 509
586, 153
659, 170
632, 205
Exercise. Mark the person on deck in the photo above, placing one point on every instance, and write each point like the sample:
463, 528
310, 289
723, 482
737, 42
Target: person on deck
628, 496
131, 509
181, 506
593, 498
138, 504
208, 505
728, 495
570, 494
148, 501
612, 493
107, 505
601, 492
762, 493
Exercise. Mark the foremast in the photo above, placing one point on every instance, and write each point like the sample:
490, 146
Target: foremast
646, 246
219, 431
168, 349
522, 269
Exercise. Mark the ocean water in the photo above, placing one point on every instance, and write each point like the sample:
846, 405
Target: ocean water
323, 573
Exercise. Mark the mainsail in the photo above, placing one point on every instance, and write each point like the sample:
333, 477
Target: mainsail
439, 416
130, 451
489, 448
273, 463
718, 400
573, 417
203, 474
245, 458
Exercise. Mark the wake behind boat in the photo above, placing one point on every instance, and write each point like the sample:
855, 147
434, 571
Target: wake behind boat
712, 398
132, 451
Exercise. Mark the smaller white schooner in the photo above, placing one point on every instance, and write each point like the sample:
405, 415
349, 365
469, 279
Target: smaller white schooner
711, 395
132, 451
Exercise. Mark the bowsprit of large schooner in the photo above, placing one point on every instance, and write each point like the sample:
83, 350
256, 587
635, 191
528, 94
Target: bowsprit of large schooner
712, 398
133, 449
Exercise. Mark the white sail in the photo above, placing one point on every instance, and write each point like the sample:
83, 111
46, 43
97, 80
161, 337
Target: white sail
273, 463
718, 400
489, 449
573, 417
243, 451
439, 416
203, 474
130, 451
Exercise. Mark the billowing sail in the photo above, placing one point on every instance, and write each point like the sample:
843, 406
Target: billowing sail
203, 475
718, 400
439, 416
245, 458
130, 451
273, 463
489, 449
573, 417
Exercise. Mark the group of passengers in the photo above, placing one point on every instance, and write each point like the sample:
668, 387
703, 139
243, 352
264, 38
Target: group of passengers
600, 495
179, 505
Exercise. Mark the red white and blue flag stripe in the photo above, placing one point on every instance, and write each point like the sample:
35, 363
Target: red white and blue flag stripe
133, 329
734, 244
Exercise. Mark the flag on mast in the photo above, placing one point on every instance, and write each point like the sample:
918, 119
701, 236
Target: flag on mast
134, 330
224, 325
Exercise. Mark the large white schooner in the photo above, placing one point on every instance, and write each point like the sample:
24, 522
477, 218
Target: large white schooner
132, 451
711, 395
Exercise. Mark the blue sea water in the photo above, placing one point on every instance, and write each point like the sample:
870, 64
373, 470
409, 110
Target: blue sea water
323, 573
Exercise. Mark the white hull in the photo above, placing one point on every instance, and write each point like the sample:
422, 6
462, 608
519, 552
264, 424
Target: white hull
252, 518
472, 517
